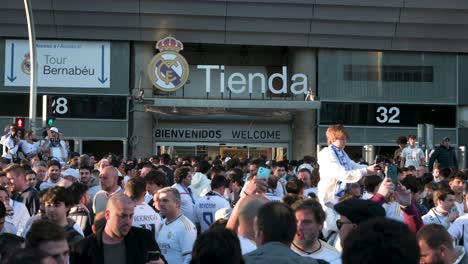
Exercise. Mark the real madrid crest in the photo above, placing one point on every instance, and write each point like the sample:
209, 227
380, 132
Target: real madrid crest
168, 70
26, 64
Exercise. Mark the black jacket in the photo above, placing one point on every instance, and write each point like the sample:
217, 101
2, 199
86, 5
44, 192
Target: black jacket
138, 242
446, 157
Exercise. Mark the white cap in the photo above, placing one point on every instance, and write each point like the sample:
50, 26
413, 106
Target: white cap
306, 166
71, 172
54, 129
223, 213
227, 159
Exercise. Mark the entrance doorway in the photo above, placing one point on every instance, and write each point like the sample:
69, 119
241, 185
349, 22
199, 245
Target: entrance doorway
273, 151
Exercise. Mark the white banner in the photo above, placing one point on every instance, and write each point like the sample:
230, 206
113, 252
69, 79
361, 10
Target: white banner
60, 63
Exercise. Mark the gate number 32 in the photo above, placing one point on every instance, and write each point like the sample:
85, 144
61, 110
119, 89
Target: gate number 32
388, 115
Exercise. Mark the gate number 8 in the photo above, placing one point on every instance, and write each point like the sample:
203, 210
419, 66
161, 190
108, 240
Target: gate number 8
388, 115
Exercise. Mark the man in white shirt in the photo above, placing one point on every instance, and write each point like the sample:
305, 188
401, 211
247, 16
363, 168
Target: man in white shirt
53, 169
280, 173
177, 234
16, 213
306, 177
108, 179
143, 215
444, 213
459, 231
457, 184
412, 155
10, 143
183, 179
310, 218
206, 206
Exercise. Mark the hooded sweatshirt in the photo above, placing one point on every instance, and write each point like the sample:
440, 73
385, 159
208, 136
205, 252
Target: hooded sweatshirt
199, 183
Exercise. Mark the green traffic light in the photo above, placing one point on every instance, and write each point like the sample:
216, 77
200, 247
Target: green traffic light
50, 121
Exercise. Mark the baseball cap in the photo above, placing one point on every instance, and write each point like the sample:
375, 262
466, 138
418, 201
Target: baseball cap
223, 213
358, 210
446, 139
71, 172
54, 129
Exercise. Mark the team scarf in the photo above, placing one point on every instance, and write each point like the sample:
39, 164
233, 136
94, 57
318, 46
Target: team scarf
343, 159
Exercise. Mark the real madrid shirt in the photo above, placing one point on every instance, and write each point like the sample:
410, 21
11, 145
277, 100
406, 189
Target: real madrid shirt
145, 217
206, 207
325, 252
186, 201
176, 239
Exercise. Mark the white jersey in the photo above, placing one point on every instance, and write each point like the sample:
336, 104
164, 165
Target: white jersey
393, 211
176, 239
27, 147
186, 201
459, 230
272, 197
206, 207
325, 252
435, 217
145, 217
20, 216
412, 156
247, 245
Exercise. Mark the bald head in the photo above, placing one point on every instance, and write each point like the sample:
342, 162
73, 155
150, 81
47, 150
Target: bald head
108, 179
119, 215
118, 200
248, 207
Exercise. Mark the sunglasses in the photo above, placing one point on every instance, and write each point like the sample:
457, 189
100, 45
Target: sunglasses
339, 224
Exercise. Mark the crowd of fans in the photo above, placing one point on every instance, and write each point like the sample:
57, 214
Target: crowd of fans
407, 208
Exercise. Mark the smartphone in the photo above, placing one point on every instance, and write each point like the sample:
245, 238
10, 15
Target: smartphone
392, 173
153, 255
263, 173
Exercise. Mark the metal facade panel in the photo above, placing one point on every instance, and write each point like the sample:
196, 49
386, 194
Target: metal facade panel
201, 8
182, 22
463, 80
434, 16
193, 36
452, 4
41, 17
101, 33
37, 5
353, 28
442, 45
268, 10
267, 25
356, 42
119, 6
353, 13
277, 39
115, 20
432, 31
390, 3
8, 30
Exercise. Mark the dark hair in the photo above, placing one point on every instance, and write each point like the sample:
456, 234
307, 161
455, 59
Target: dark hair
128, 167
44, 231
218, 181
413, 184
458, 175
54, 163
314, 178
2, 210
217, 245
9, 246
402, 140
218, 170
371, 182
382, 241
313, 207
78, 190
281, 164
164, 158
27, 255
203, 166
294, 186
88, 168
434, 236
136, 188
272, 215
441, 194
291, 198
57, 194
156, 177
232, 163
411, 136
181, 173
309, 159
30, 172
445, 173
237, 176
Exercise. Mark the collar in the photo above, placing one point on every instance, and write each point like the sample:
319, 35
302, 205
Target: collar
172, 221
116, 191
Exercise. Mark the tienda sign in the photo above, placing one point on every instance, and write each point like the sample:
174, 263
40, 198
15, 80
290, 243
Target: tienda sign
240, 83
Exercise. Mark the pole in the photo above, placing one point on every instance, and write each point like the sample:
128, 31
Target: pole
33, 72
44, 111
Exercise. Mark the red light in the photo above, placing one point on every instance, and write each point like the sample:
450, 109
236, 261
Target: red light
19, 122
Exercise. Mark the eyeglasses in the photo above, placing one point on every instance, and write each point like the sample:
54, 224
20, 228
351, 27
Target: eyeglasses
339, 223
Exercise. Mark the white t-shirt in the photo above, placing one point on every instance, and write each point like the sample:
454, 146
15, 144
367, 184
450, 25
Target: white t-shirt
393, 211
186, 202
247, 245
206, 207
435, 217
310, 190
325, 252
176, 239
272, 197
20, 217
27, 147
412, 156
459, 229
145, 217
148, 197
